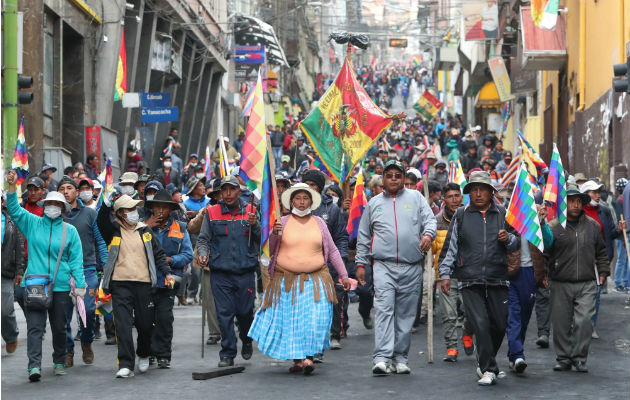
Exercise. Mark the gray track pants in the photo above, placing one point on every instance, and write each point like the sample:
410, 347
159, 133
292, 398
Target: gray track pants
396, 291
9, 324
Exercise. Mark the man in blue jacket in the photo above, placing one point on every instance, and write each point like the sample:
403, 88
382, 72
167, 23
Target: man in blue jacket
175, 241
225, 245
396, 230
84, 220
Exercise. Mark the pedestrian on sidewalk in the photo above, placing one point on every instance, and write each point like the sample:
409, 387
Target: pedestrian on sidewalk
578, 264
297, 311
130, 275
13, 265
46, 236
230, 243
475, 253
448, 303
84, 220
622, 278
396, 231
175, 241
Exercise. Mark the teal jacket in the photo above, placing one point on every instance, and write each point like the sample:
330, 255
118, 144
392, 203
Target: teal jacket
44, 239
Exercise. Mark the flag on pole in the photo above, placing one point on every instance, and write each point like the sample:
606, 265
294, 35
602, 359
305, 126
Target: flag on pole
545, 13
533, 156
556, 189
511, 172
207, 168
346, 121
20, 155
107, 181
522, 214
121, 71
267, 212
168, 150
224, 164
249, 102
427, 106
254, 148
456, 175
344, 168
359, 201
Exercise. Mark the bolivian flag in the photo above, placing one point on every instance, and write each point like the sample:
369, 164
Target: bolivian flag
121, 71
427, 106
345, 121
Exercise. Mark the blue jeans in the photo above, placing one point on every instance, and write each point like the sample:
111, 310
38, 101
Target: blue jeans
621, 268
87, 333
521, 299
277, 155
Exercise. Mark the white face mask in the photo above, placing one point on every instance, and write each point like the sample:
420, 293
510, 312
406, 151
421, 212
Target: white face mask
594, 203
200, 175
193, 164
85, 196
335, 199
299, 213
128, 190
150, 197
132, 217
167, 164
52, 212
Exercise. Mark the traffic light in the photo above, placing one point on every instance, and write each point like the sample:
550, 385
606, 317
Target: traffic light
25, 82
622, 71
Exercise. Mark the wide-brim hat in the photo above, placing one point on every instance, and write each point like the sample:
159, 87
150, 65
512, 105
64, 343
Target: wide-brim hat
572, 190
479, 177
128, 178
590, 185
55, 196
286, 195
162, 196
193, 182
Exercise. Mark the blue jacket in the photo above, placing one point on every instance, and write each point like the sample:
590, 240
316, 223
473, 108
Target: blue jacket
224, 238
44, 238
194, 204
176, 244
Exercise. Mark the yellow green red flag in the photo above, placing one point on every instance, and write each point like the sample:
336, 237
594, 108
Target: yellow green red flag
121, 72
427, 106
345, 121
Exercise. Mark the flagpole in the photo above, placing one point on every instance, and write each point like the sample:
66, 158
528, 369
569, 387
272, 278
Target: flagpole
272, 168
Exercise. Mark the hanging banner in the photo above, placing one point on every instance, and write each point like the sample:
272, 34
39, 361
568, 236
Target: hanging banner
93, 141
481, 20
501, 78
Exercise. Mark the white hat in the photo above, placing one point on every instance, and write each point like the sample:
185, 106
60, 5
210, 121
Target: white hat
97, 184
128, 178
416, 172
55, 196
286, 195
590, 185
125, 201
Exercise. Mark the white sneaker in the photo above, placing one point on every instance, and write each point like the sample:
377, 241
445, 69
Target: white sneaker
143, 364
488, 378
380, 368
479, 373
519, 365
335, 344
402, 368
124, 373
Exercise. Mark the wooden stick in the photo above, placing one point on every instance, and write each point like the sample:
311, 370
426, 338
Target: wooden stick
272, 167
217, 372
428, 263
203, 312
625, 239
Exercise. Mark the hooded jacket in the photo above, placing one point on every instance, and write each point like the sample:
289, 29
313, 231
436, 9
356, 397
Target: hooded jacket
13, 259
175, 242
391, 228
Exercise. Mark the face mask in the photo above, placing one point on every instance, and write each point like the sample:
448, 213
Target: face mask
167, 164
299, 213
132, 217
200, 175
150, 197
594, 203
128, 190
52, 212
86, 196
193, 164
335, 199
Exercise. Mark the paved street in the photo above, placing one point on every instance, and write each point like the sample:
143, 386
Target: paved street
344, 375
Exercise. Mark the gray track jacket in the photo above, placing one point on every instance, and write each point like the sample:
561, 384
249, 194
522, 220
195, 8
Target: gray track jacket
392, 226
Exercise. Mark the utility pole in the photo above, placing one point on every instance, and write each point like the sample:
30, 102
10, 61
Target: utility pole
10, 86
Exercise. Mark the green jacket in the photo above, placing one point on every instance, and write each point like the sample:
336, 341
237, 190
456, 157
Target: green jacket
44, 238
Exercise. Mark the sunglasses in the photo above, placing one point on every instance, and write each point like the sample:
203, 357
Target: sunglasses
393, 176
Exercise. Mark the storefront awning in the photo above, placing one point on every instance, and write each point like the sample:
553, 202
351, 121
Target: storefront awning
251, 31
543, 49
488, 97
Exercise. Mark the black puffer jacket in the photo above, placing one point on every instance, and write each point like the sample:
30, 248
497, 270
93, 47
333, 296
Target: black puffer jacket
13, 260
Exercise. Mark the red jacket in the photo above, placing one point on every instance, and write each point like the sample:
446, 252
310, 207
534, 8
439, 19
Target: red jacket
33, 208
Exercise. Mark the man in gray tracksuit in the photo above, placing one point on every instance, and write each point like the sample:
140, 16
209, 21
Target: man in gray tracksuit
396, 230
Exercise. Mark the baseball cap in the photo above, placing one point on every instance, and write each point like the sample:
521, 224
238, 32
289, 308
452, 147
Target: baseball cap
125, 201
35, 181
88, 181
394, 164
47, 166
285, 158
67, 180
230, 180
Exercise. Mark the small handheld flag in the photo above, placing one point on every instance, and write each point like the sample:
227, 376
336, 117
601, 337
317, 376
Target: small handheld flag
20, 156
359, 201
522, 214
555, 191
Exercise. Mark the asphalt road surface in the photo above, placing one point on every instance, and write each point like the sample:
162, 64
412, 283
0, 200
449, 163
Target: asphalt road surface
345, 374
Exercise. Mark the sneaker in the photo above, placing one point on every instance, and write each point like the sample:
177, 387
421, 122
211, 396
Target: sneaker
402, 369
594, 335
247, 350
34, 374
543, 341
368, 323
335, 344
212, 340
488, 379
519, 365
226, 362
318, 358
621, 289
143, 364
59, 370
164, 363
380, 369
451, 355
69, 359
124, 373
110, 341
88, 354
469, 347
11, 347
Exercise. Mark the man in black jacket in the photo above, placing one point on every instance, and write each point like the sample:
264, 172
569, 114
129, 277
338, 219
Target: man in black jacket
475, 252
13, 266
331, 214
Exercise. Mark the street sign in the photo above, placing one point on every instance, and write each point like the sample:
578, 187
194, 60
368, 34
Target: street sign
156, 99
159, 114
397, 42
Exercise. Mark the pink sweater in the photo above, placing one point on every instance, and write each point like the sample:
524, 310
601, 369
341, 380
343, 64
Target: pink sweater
331, 254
